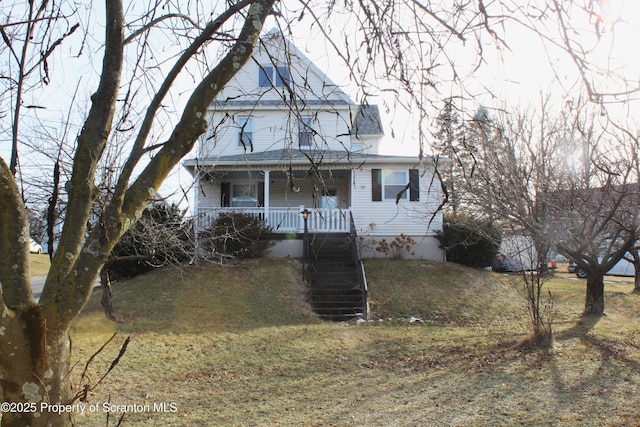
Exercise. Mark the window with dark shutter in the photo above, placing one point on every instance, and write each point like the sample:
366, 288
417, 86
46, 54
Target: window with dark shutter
376, 185
305, 132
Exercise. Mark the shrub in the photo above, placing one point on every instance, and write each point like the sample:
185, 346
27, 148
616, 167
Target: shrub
160, 237
469, 241
397, 247
240, 235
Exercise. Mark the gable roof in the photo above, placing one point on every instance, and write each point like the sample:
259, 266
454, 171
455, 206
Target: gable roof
274, 39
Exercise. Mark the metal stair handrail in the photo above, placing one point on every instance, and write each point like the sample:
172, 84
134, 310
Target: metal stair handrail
362, 278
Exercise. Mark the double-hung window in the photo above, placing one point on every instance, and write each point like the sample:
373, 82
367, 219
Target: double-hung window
245, 132
396, 185
270, 76
394, 182
305, 132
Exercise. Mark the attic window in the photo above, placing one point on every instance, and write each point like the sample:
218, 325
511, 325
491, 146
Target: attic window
270, 76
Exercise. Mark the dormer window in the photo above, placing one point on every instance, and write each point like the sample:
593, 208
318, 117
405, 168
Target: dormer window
270, 76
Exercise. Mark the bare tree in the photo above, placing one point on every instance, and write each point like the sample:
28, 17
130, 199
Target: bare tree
36, 369
399, 47
505, 163
565, 180
161, 237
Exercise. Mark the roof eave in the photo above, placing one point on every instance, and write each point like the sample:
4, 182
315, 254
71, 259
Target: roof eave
347, 161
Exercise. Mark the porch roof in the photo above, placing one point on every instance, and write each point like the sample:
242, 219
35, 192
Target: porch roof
302, 158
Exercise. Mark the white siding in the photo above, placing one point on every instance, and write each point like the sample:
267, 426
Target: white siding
282, 195
386, 218
209, 195
272, 130
307, 82
274, 126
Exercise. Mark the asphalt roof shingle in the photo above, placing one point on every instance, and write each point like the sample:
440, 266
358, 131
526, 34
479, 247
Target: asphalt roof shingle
367, 121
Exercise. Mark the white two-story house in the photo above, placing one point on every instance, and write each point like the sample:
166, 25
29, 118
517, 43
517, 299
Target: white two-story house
283, 138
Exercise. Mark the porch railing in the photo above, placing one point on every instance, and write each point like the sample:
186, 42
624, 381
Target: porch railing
284, 219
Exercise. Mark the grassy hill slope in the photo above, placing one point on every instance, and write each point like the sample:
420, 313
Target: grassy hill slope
236, 345
39, 264
222, 298
440, 292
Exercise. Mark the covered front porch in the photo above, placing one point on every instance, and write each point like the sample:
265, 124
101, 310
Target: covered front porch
278, 197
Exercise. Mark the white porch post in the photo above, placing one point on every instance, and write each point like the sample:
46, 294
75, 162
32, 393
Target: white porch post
196, 191
266, 197
196, 213
352, 189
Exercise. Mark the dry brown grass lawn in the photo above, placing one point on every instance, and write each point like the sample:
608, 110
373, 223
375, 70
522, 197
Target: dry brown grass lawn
39, 264
237, 346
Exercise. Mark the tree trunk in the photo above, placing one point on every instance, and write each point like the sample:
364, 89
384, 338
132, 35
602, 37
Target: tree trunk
636, 266
37, 356
595, 294
107, 301
34, 344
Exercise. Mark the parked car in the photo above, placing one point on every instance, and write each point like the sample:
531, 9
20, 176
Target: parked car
35, 247
502, 264
622, 268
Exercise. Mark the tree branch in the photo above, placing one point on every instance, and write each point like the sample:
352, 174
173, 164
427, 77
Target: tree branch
138, 148
14, 240
120, 215
156, 21
91, 143
193, 121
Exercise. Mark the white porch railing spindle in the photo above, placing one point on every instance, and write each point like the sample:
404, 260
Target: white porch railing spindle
283, 219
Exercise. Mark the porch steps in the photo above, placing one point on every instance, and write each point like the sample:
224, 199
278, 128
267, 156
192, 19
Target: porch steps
335, 293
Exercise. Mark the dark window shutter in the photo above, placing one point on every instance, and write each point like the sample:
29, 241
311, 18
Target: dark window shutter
261, 194
376, 185
225, 194
414, 185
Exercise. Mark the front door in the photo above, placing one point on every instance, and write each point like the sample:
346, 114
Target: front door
329, 200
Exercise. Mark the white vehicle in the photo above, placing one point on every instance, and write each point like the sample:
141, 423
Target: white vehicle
622, 268
519, 253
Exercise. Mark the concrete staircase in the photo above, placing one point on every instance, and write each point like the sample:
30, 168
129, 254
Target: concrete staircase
335, 293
